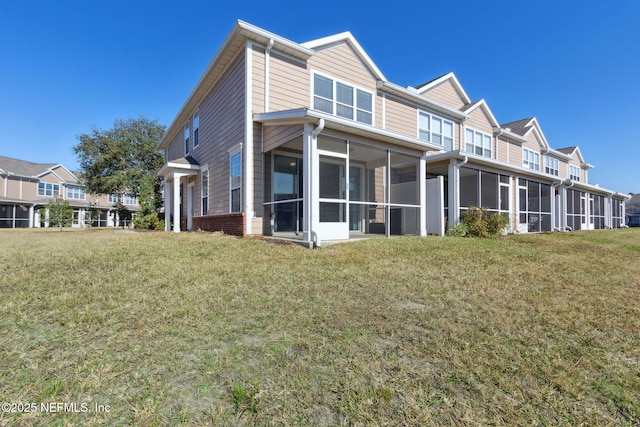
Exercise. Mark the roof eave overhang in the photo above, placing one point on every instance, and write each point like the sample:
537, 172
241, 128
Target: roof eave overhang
421, 100
231, 47
305, 115
181, 168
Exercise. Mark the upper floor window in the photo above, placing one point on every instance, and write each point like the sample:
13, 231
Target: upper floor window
235, 177
530, 159
342, 99
477, 143
551, 166
114, 198
187, 134
574, 173
435, 129
48, 189
75, 192
130, 199
196, 129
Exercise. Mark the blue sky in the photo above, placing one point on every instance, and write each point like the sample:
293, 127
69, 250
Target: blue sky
66, 66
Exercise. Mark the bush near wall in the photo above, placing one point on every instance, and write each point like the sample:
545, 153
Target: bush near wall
479, 222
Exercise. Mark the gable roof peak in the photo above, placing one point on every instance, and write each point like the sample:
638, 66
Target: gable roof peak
346, 37
443, 78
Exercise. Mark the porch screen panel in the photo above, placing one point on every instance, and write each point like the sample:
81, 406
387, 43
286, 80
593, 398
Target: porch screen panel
287, 193
489, 188
404, 194
468, 188
371, 201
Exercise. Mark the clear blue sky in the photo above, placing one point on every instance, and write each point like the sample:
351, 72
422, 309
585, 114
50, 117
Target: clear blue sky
68, 65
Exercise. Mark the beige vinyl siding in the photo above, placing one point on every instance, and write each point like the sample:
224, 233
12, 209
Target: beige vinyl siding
258, 175
257, 80
278, 135
379, 101
222, 121
13, 188
446, 93
289, 85
176, 147
401, 118
66, 176
563, 169
342, 62
30, 189
2, 181
479, 120
509, 152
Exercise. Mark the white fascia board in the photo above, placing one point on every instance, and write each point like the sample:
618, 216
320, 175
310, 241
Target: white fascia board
535, 127
421, 100
558, 154
442, 79
502, 132
348, 38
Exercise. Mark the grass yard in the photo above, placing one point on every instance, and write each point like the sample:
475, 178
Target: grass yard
204, 329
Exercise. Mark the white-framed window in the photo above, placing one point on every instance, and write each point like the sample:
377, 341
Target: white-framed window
75, 192
436, 130
574, 173
114, 198
477, 142
235, 181
342, 99
204, 185
551, 166
530, 159
130, 199
196, 129
187, 134
48, 189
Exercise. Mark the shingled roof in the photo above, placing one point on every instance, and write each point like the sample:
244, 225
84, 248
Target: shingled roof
519, 127
24, 168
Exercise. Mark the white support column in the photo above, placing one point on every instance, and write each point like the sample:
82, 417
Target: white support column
311, 182
422, 188
167, 205
31, 217
176, 203
190, 203
454, 194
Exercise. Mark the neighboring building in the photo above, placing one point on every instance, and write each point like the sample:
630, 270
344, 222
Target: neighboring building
633, 211
311, 141
25, 187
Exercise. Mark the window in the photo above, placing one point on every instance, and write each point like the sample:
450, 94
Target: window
341, 99
130, 199
434, 129
235, 176
574, 173
551, 166
114, 198
530, 159
205, 192
477, 143
48, 189
196, 128
75, 192
186, 140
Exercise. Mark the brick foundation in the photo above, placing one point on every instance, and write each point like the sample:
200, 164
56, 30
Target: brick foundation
233, 223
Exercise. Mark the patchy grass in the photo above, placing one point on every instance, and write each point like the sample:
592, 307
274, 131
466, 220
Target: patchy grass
197, 329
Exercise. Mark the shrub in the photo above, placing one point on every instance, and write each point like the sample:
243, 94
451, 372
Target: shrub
151, 221
459, 230
482, 223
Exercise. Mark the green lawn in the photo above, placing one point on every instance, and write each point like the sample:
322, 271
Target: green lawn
196, 329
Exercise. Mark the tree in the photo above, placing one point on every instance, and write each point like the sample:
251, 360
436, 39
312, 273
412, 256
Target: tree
60, 212
119, 160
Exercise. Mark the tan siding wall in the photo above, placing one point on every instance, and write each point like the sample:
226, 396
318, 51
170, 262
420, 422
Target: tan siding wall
30, 190
222, 121
401, 118
62, 173
2, 180
446, 93
289, 85
342, 62
479, 120
257, 81
276, 135
503, 148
